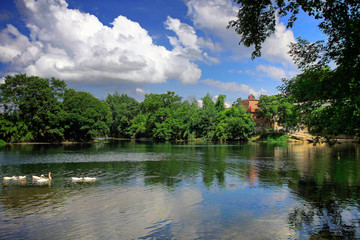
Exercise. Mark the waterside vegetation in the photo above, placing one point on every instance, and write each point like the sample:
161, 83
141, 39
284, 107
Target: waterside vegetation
35, 109
43, 110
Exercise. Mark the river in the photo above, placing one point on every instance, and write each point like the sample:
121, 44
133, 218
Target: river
181, 191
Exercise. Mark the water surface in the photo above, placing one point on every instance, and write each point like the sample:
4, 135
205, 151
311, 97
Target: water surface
181, 191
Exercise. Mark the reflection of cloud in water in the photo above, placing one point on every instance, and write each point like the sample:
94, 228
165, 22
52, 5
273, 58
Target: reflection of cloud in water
129, 213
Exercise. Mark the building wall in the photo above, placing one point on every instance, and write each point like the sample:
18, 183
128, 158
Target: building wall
252, 108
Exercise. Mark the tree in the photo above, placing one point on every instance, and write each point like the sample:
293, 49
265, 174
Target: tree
340, 21
124, 109
321, 112
220, 103
278, 109
204, 121
86, 116
237, 103
162, 116
235, 124
33, 105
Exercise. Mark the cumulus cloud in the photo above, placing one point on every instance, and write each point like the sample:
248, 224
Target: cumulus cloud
276, 48
76, 46
187, 43
234, 87
214, 15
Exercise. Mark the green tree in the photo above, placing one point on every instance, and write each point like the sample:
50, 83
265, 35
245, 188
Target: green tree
138, 126
235, 124
205, 120
162, 117
321, 112
220, 103
86, 116
14, 131
33, 105
124, 109
340, 21
237, 103
278, 109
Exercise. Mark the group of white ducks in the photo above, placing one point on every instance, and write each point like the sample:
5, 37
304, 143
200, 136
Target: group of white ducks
43, 179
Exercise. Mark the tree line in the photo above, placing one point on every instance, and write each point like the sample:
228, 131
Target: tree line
35, 109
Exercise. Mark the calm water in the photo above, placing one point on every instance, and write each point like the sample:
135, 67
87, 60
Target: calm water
182, 191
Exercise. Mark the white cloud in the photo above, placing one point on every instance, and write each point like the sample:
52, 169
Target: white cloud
71, 45
187, 42
141, 91
257, 94
227, 86
213, 16
276, 48
234, 87
272, 72
227, 104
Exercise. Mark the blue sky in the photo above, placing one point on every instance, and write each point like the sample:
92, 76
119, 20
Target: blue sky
142, 46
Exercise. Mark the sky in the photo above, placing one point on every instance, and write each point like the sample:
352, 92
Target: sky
144, 46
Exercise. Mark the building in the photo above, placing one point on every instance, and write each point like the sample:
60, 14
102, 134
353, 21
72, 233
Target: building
251, 105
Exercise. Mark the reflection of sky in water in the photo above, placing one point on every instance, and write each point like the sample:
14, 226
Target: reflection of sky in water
164, 191
131, 212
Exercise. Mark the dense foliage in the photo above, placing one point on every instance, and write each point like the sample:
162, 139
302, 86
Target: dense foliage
86, 116
43, 110
325, 114
37, 109
124, 109
328, 98
280, 110
31, 109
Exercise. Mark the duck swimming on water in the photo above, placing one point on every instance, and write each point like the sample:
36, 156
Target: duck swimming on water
41, 180
89, 179
83, 179
14, 178
36, 177
9, 178
77, 179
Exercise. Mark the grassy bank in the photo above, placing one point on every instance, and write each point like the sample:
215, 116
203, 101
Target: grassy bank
272, 137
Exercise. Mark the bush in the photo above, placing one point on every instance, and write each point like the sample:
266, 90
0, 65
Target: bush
274, 137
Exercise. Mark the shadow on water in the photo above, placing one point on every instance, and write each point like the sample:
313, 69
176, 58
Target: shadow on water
310, 192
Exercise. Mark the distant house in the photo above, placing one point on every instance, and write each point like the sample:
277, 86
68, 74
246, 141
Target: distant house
251, 105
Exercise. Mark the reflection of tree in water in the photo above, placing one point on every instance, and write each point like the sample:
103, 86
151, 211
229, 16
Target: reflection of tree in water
327, 212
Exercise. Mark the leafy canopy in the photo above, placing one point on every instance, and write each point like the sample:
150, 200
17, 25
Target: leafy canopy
333, 95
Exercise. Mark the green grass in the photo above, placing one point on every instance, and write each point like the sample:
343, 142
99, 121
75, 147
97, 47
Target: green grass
273, 137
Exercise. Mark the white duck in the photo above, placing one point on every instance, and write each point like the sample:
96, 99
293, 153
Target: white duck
89, 179
77, 179
14, 178
36, 177
9, 178
83, 179
41, 180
